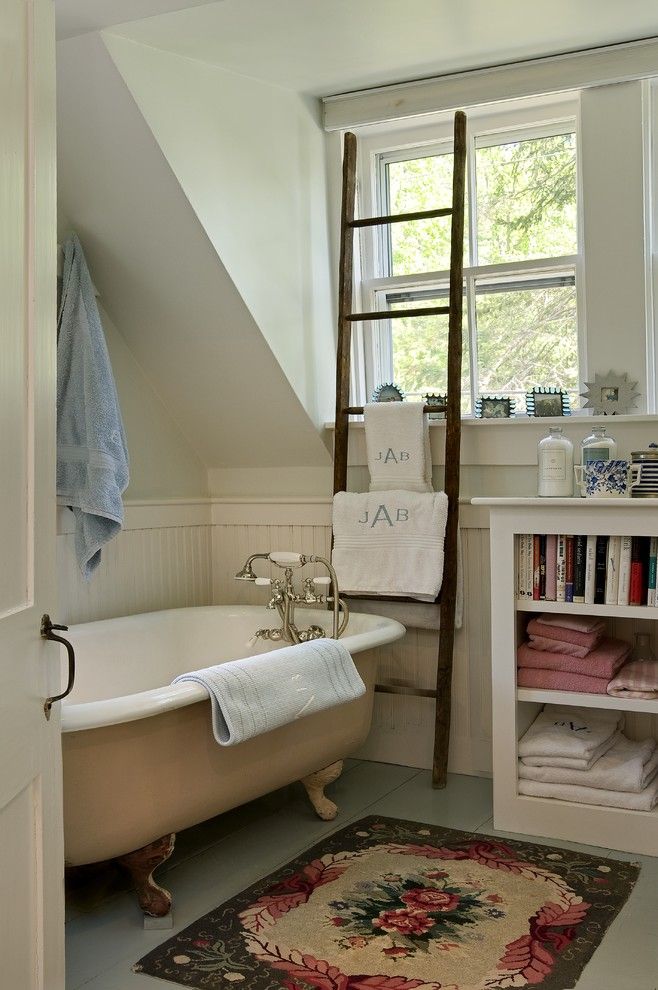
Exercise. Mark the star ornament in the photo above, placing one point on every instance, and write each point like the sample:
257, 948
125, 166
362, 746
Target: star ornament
610, 395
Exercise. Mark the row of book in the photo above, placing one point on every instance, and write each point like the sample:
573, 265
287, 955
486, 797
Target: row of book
591, 570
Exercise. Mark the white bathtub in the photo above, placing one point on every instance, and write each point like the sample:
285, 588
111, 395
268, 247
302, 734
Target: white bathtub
140, 759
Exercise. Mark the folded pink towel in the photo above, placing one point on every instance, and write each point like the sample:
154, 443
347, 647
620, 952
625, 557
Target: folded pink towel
565, 634
560, 680
604, 662
556, 646
579, 623
638, 679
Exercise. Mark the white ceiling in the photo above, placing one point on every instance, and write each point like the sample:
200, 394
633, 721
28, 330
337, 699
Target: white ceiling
323, 47
75, 17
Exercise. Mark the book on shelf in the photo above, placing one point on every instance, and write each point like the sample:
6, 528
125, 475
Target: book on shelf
588, 570
639, 571
579, 558
568, 568
623, 593
551, 567
612, 570
536, 544
651, 581
600, 564
561, 568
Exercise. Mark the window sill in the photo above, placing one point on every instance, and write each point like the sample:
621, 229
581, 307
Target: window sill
579, 417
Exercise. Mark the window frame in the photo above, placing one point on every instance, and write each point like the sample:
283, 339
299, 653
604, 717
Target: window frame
407, 139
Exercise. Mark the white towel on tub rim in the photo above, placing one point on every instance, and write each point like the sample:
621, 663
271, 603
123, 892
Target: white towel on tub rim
263, 692
390, 543
398, 446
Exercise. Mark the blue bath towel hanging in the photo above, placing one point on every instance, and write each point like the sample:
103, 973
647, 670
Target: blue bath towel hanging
92, 458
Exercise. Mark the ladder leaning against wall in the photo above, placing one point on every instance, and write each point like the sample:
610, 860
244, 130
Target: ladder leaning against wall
452, 408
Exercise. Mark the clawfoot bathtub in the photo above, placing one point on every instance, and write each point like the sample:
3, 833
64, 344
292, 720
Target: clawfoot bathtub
140, 759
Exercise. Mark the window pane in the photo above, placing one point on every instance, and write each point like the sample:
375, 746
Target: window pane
420, 349
526, 199
527, 337
420, 184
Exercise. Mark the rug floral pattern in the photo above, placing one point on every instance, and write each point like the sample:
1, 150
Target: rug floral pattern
392, 905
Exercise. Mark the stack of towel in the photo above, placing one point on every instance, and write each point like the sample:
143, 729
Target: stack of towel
581, 755
569, 653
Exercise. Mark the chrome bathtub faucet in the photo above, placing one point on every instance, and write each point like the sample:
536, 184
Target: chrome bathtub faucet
285, 598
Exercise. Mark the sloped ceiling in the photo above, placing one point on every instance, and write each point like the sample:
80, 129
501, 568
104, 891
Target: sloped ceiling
75, 17
161, 279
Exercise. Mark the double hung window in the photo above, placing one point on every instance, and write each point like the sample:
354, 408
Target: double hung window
520, 255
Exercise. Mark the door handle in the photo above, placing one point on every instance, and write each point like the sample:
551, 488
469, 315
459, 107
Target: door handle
47, 628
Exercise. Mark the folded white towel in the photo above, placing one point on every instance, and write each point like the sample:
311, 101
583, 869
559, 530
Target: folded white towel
390, 543
260, 693
564, 735
574, 763
627, 766
398, 447
646, 800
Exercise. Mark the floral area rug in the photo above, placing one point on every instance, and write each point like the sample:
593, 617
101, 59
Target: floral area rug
394, 905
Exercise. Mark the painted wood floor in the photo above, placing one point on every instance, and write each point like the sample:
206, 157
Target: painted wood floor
216, 860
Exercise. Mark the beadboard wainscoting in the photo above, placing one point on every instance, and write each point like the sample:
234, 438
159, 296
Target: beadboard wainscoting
161, 559
183, 552
403, 726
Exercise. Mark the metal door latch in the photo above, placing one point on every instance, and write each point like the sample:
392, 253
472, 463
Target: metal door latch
47, 628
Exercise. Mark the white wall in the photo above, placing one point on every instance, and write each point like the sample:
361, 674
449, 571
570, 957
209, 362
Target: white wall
250, 159
162, 462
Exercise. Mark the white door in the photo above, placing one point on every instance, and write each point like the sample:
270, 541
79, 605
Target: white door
31, 854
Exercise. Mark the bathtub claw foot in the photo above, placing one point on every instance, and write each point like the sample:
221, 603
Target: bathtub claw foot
315, 784
141, 864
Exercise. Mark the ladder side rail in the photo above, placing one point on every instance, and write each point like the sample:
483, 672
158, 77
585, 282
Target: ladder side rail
452, 457
344, 348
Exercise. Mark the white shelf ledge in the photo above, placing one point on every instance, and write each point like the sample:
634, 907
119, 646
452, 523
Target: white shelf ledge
575, 502
581, 700
578, 608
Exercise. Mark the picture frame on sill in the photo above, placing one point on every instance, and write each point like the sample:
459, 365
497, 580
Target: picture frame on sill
494, 407
431, 399
544, 402
610, 395
388, 392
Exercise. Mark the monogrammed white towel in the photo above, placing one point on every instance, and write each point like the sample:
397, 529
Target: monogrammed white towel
261, 693
390, 543
398, 447
569, 737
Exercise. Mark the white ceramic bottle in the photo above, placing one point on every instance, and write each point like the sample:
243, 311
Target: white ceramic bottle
555, 465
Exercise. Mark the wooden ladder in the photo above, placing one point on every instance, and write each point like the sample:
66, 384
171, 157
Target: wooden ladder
452, 407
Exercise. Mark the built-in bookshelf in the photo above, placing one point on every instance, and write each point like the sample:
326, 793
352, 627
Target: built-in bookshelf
579, 569
512, 520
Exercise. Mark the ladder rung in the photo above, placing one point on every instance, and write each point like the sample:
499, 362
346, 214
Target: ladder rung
401, 217
358, 410
397, 314
390, 687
